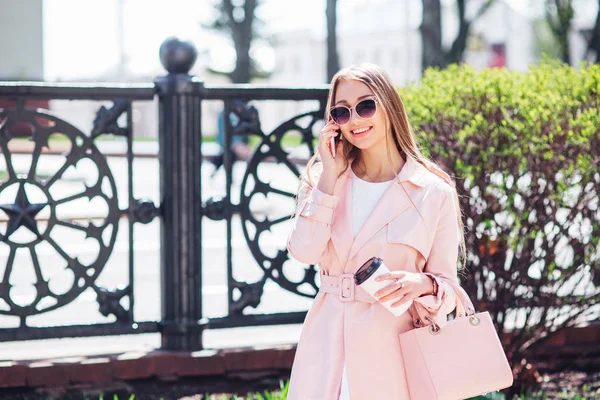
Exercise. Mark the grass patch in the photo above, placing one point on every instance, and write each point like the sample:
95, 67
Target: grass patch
281, 394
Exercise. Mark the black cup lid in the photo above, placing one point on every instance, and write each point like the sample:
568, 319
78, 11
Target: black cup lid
367, 269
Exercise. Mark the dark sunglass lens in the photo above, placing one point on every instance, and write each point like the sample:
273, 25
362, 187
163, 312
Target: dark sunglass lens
340, 115
366, 108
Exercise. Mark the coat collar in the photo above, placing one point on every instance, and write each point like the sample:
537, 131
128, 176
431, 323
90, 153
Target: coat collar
412, 172
394, 202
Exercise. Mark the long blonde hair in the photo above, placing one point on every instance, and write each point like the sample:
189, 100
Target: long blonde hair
404, 140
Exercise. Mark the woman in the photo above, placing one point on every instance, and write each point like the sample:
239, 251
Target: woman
379, 197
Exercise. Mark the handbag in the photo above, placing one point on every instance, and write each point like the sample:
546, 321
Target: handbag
460, 360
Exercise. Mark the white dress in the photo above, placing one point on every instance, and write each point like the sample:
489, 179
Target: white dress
365, 196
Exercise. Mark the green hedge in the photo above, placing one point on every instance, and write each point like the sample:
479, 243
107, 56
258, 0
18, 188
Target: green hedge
524, 149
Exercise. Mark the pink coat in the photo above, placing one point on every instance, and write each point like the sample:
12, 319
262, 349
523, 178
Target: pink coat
414, 227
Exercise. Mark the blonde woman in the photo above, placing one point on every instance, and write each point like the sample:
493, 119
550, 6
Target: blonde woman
372, 194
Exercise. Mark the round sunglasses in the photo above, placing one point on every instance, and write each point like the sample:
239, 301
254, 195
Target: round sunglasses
364, 109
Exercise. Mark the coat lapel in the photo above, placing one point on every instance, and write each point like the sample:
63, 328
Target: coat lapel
394, 202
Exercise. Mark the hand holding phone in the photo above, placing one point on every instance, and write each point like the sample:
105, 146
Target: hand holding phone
333, 141
330, 137
332, 145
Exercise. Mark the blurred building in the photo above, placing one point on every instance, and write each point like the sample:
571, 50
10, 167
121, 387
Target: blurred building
21, 40
386, 32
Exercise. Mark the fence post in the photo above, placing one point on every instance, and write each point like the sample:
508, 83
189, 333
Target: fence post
180, 190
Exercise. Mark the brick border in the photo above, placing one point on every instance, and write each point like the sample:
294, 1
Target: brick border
131, 366
62, 372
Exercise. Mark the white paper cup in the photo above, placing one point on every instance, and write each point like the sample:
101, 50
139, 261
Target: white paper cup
365, 278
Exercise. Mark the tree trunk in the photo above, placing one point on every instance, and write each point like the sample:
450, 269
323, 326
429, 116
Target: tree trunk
241, 33
559, 14
594, 43
459, 45
432, 54
566, 50
431, 33
333, 60
243, 65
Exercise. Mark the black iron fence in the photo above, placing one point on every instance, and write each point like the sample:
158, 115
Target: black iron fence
181, 209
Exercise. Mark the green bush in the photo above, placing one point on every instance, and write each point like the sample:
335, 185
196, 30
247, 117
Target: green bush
524, 149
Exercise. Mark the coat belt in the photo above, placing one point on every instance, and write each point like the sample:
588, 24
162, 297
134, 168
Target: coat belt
344, 287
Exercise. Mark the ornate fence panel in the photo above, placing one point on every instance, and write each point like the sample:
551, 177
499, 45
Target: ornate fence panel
270, 148
32, 192
32, 212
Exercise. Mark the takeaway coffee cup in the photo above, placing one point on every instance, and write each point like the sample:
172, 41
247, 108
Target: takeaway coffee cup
365, 278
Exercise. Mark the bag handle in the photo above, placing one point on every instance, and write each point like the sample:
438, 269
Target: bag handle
464, 306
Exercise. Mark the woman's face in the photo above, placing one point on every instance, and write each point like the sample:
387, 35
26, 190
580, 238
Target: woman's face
363, 133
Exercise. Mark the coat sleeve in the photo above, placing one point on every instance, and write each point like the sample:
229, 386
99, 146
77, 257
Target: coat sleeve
312, 224
442, 264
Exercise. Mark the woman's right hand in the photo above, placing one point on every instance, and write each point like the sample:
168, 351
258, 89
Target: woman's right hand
331, 130
332, 167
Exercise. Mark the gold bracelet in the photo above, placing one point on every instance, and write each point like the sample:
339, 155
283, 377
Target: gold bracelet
435, 285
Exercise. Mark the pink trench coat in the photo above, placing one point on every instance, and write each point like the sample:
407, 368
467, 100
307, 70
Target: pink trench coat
344, 328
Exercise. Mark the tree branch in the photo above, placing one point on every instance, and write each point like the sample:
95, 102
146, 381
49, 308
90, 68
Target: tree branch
228, 8
483, 9
455, 54
594, 41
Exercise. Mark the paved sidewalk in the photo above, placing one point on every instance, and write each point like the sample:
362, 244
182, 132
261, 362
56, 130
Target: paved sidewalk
116, 148
141, 149
265, 336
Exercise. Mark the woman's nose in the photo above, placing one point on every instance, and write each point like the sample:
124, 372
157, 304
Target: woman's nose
353, 116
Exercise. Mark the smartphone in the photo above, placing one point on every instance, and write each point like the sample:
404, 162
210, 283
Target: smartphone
333, 142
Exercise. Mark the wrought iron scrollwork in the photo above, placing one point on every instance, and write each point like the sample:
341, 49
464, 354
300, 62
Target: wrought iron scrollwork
217, 208
109, 302
106, 119
271, 149
23, 214
250, 295
246, 118
144, 211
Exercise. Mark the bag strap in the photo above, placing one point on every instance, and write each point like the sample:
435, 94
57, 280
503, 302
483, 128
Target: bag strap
464, 305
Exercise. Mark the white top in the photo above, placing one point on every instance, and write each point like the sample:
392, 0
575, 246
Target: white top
365, 196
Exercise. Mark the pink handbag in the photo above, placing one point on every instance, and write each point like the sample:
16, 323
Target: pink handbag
460, 360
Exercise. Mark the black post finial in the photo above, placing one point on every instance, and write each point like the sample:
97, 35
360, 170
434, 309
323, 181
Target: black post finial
177, 56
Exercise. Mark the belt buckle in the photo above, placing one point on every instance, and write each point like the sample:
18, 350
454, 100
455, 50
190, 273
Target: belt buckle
346, 282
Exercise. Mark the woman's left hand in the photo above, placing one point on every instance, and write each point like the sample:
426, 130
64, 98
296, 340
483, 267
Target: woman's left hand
406, 286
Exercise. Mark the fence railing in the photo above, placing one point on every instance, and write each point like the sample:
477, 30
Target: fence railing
181, 208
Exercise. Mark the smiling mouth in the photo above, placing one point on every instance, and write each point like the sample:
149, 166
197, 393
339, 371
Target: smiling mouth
361, 131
